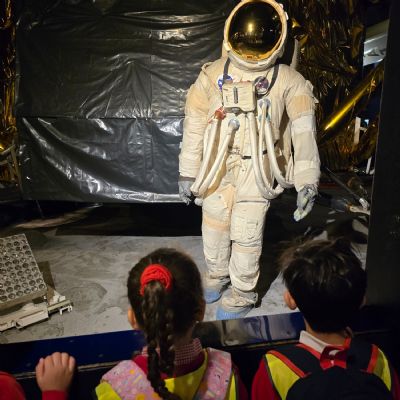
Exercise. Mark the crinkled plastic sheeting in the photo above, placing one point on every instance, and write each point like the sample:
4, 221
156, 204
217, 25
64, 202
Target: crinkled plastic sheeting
341, 144
101, 90
7, 76
102, 86
331, 36
343, 153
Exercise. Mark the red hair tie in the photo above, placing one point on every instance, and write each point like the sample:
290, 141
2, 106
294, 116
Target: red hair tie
155, 272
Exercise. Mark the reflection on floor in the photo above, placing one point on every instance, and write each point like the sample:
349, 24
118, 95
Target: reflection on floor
89, 258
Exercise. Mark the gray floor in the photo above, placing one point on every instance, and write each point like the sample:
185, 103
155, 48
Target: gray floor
92, 270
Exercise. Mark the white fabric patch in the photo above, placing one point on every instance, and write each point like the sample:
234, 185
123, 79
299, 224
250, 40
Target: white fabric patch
305, 123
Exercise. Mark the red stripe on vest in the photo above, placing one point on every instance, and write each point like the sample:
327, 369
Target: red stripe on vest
373, 360
310, 350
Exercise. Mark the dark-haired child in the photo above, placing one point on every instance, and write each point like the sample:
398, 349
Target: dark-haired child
166, 296
325, 280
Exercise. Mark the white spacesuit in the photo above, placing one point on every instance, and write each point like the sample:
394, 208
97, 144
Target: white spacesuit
248, 123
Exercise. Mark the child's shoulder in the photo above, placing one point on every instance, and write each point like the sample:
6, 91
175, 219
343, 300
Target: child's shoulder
9, 387
126, 378
123, 370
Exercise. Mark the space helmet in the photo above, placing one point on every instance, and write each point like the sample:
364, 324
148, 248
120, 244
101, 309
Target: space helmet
255, 33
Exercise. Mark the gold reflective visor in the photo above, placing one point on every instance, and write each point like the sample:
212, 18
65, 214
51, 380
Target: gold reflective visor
255, 31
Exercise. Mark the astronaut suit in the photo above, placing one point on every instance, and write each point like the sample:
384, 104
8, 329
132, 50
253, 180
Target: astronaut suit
249, 124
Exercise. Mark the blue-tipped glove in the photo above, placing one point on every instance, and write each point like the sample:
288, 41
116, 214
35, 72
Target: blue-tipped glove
184, 189
305, 201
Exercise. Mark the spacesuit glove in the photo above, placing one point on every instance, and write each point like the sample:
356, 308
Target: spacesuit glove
184, 189
305, 201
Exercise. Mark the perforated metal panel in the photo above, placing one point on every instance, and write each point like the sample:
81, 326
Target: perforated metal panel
20, 277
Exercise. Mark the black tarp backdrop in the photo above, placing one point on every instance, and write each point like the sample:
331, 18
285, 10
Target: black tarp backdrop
101, 87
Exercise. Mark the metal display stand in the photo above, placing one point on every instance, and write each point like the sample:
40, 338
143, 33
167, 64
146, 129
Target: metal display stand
24, 296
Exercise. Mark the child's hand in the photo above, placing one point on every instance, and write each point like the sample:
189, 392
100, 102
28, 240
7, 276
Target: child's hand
55, 372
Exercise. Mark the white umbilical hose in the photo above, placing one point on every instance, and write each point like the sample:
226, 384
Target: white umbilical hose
278, 189
207, 155
265, 192
233, 126
269, 139
201, 184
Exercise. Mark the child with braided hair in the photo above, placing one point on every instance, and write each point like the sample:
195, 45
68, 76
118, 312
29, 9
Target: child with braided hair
166, 297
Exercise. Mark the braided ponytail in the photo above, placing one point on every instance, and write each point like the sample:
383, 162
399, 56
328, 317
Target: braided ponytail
155, 311
167, 348
165, 313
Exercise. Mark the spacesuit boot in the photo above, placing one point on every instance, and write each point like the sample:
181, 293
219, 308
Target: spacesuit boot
214, 288
236, 304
